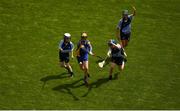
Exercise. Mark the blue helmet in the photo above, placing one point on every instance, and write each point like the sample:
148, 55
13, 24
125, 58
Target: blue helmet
67, 36
112, 42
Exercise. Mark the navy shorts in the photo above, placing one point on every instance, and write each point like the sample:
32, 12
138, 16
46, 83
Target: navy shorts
63, 57
81, 60
125, 36
117, 60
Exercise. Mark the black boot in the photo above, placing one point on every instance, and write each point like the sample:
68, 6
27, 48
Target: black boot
110, 77
88, 75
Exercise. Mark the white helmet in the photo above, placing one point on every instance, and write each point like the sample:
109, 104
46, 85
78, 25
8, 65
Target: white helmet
67, 35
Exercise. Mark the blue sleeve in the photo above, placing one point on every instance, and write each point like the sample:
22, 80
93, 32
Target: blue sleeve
119, 24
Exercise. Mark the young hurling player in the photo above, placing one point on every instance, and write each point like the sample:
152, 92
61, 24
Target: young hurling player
84, 48
117, 56
65, 48
124, 27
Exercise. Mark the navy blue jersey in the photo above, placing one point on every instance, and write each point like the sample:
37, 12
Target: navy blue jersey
117, 52
84, 48
66, 48
125, 27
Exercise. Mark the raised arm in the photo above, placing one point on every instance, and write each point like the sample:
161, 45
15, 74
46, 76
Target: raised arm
134, 10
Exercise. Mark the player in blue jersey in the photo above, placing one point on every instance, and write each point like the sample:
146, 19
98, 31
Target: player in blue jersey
65, 48
117, 56
84, 48
124, 27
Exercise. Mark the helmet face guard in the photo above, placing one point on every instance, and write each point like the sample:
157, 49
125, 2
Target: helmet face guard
67, 37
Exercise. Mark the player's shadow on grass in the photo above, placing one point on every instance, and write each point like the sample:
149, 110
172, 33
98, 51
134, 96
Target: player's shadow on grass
99, 83
66, 88
53, 77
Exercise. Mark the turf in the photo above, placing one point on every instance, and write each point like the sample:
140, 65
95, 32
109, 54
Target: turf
30, 77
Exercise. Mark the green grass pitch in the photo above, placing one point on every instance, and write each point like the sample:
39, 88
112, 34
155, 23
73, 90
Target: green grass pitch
30, 77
